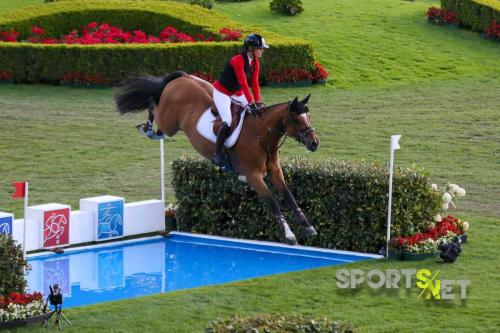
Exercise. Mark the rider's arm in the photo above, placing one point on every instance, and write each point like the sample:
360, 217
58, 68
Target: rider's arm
238, 64
255, 80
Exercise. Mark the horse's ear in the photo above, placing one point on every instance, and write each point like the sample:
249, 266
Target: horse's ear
295, 104
305, 100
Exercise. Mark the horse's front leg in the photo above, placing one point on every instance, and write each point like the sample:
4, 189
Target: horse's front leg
276, 176
258, 184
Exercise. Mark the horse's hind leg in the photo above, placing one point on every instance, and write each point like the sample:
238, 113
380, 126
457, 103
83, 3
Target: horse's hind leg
276, 175
258, 184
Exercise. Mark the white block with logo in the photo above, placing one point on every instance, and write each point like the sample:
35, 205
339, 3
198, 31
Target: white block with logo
35, 220
108, 215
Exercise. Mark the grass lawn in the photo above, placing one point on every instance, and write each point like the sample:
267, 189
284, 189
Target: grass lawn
392, 73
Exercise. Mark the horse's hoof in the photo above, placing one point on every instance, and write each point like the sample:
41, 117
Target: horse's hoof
310, 231
291, 241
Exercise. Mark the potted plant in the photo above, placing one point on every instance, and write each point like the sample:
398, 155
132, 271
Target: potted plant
418, 248
18, 309
170, 219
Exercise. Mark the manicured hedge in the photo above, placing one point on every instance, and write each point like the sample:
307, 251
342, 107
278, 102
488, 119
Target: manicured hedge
48, 63
345, 201
474, 14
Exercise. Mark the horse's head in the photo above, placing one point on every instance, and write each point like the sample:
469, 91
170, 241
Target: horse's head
300, 121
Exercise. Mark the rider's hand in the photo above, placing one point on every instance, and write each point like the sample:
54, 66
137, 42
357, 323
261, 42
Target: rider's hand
253, 108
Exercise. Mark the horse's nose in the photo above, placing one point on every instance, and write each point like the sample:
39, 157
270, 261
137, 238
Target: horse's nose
313, 145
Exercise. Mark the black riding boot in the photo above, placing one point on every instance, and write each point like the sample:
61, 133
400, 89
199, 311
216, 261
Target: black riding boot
219, 143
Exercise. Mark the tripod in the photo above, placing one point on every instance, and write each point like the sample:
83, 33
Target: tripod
59, 315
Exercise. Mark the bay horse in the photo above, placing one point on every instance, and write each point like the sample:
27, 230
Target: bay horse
179, 99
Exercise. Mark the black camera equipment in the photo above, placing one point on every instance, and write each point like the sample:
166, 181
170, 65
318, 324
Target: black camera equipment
56, 300
450, 251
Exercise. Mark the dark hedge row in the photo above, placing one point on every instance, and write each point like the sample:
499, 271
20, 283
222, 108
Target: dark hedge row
474, 14
345, 201
49, 63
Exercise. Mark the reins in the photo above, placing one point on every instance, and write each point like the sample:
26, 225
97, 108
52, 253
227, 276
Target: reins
301, 135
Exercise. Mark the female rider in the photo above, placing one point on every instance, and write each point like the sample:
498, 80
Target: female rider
232, 83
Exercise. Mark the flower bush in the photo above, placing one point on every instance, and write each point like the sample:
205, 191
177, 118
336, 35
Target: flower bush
493, 30
5, 75
96, 33
78, 78
289, 75
171, 210
441, 15
319, 73
445, 230
18, 306
205, 76
452, 192
287, 7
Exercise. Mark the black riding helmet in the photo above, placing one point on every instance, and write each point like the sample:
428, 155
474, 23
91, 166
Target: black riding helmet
255, 40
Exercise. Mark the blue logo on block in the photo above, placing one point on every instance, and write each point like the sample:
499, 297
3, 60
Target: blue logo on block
6, 225
110, 220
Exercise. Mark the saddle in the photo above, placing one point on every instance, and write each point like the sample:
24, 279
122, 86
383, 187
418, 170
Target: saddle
236, 110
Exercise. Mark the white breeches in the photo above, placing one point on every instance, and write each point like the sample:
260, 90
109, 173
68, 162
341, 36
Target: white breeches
223, 104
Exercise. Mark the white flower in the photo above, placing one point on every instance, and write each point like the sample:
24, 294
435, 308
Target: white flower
447, 197
434, 187
453, 188
437, 218
465, 226
445, 206
461, 192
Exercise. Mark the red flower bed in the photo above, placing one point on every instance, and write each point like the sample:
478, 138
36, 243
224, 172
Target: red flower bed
441, 229
442, 15
319, 73
205, 76
289, 75
5, 75
20, 299
492, 31
82, 78
95, 33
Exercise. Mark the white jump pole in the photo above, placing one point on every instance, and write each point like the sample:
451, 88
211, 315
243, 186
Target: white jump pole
162, 172
394, 146
26, 191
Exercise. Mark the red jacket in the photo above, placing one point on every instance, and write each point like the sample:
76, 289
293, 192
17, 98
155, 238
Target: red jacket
236, 67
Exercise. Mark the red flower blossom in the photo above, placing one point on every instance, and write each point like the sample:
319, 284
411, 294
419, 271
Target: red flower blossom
37, 30
493, 30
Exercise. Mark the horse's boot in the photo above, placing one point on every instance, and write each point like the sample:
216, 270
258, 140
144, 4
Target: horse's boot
146, 129
219, 143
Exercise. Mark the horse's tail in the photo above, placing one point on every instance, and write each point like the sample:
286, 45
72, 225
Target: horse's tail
135, 94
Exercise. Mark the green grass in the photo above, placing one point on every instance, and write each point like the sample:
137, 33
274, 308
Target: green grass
377, 42
391, 73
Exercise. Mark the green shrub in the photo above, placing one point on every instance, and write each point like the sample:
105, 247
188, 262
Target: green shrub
203, 3
50, 63
345, 201
12, 266
287, 7
474, 14
277, 324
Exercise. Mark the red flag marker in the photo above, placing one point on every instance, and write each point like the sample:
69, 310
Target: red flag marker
20, 188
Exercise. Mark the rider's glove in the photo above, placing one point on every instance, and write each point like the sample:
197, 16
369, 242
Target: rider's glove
253, 108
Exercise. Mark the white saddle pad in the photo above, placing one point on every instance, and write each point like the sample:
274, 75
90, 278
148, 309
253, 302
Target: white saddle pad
205, 127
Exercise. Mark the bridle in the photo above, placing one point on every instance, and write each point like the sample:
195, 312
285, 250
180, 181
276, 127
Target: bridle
301, 134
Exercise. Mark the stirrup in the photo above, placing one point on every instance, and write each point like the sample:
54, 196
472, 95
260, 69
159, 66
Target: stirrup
146, 129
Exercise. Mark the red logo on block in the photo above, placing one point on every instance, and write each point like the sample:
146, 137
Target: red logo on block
56, 227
